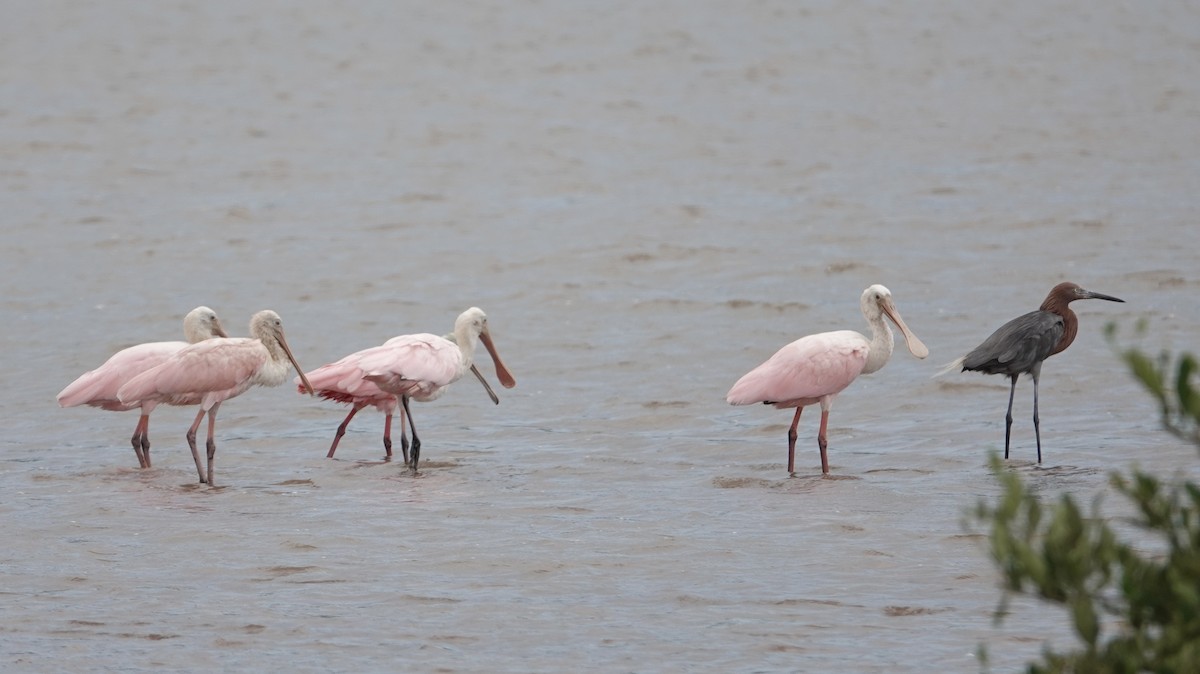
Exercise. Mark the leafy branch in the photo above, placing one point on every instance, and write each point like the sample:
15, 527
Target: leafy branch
1178, 400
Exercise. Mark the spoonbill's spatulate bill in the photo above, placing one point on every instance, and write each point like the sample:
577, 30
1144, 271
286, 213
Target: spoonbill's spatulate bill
418, 367
1020, 345
814, 369
98, 388
216, 370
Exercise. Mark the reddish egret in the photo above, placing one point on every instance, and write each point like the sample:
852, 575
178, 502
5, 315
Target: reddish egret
418, 366
816, 368
1020, 346
98, 388
216, 370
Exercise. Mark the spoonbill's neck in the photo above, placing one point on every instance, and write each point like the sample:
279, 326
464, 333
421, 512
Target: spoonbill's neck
882, 343
275, 370
466, 340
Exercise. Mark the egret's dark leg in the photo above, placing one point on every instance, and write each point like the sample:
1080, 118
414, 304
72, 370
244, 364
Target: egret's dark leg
792, 441
337, 437
1008, 417
191, 438
211, 445
822, 443
136, 441
1036, 431
416, 442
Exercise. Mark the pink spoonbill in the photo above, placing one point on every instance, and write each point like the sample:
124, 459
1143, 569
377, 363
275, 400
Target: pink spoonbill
98, 388
814, 369
419, 366
216, 370
343, 382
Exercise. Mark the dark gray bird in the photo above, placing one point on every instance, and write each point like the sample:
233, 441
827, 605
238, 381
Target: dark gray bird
1020, 346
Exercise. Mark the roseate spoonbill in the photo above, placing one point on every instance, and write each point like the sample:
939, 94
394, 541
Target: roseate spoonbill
342, 381
216, 370
814, 369
1020, 345
98, 388
419, 366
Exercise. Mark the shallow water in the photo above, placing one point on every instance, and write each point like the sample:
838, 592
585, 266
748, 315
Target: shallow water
648, 202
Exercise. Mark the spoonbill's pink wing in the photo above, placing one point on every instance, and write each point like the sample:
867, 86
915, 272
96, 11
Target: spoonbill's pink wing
343, 381
805, 370
343, 376
210, 366
424, 361
98, 387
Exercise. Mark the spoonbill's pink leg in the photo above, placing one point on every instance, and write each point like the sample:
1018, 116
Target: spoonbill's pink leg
416, 442
141, 443
191, 438
211, 445
792, 442
387, 437
822, 443
403, 439
341, 430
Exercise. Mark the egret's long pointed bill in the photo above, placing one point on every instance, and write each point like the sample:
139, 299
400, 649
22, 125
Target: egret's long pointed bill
287, 350
479, 375
915, 346
1100, 296
218, 331
506, 379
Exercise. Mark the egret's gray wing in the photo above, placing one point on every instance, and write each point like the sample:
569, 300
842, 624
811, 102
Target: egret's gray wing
1017, 345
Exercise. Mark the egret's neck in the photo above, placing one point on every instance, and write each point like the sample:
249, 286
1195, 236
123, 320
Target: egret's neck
882, 343
1070, 329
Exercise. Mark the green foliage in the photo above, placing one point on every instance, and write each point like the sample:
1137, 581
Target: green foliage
1132, 610
1178, 400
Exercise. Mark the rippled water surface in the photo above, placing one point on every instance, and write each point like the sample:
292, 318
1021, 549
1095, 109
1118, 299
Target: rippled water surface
647, 201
